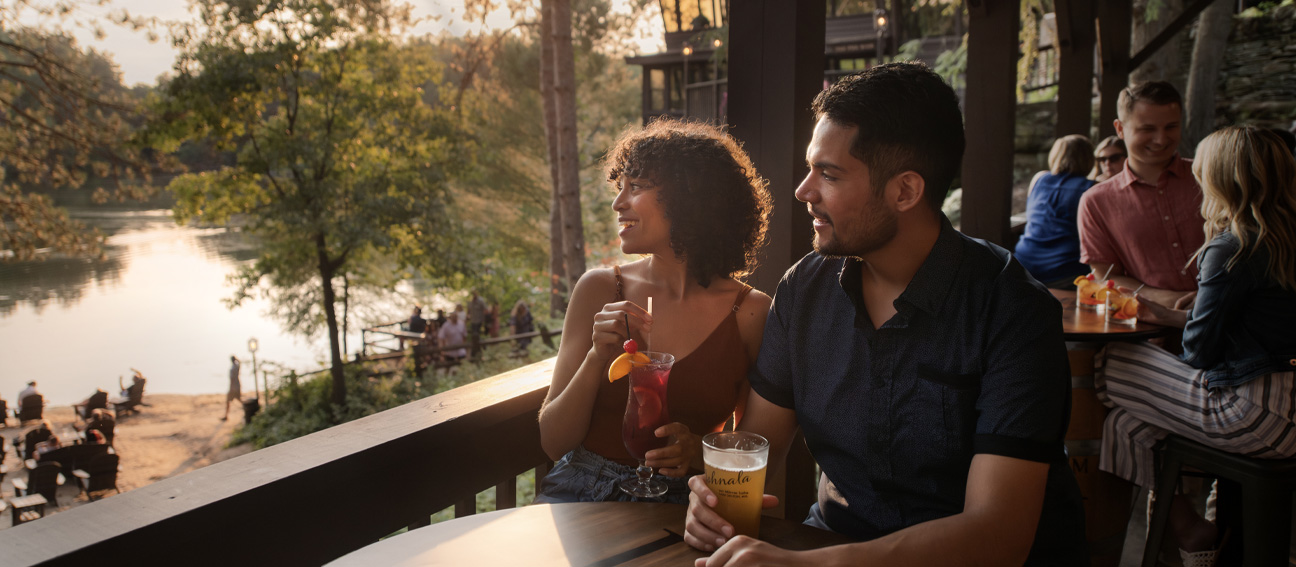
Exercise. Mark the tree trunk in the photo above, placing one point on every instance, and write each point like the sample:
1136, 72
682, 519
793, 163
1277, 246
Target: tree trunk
346, 311
557, 274
1213, 27
568, 159
327, 269
1164, 64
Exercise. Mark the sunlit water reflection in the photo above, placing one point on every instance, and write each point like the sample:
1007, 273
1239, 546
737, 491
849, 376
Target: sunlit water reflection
155, 303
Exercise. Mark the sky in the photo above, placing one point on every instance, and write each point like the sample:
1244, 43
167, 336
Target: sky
141, 61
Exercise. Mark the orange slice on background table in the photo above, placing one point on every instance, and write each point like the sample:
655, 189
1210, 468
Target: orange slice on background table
622, 365
1130, 309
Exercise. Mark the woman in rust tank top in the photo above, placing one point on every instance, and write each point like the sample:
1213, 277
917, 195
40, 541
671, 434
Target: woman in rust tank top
688, 201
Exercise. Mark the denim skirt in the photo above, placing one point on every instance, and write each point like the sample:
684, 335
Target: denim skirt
585, 476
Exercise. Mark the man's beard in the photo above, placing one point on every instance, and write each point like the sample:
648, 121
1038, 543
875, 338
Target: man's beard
877, 229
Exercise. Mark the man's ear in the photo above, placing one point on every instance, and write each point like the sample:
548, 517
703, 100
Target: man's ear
1120, 132
908, 190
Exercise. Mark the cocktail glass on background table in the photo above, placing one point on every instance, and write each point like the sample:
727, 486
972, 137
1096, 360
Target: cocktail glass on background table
1122, 308
646, 410
735, 471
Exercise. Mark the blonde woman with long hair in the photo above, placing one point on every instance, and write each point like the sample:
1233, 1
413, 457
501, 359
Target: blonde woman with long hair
1232, 388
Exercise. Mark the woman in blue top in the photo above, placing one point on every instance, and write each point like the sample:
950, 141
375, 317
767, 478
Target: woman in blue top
1232, 388
1050, 247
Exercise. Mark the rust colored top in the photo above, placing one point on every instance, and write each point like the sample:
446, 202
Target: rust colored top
702, 391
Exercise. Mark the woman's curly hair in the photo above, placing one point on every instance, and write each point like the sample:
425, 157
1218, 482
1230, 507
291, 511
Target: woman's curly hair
717, 205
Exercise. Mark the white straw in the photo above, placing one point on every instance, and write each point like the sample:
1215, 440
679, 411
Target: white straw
648, 338
1109, 269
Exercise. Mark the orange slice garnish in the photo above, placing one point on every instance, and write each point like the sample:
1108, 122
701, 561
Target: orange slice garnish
622, 365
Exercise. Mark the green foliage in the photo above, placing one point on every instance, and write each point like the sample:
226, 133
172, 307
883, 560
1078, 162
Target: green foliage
65, 119
1264, 9
301, 406
502, 109
342, 163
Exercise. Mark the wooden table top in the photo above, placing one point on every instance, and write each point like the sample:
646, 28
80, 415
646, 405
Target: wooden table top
586, 534
1084, 325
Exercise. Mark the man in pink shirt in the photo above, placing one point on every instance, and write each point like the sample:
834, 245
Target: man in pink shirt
1145, 223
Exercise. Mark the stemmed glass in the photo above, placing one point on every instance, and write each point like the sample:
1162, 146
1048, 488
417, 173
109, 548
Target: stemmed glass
646, 410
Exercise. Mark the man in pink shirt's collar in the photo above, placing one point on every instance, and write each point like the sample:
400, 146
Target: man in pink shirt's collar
1145, 224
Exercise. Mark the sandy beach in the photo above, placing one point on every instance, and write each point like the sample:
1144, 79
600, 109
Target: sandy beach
176, 434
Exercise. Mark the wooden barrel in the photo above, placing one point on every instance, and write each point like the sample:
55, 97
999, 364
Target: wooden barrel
1106, 497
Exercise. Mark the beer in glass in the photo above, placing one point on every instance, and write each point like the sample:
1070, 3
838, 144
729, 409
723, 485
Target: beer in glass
735, 471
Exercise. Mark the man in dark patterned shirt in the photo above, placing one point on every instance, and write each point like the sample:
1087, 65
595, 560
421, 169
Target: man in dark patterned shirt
926, 369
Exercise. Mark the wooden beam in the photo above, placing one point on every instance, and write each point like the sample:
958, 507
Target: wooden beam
989, 109
1076, 38
1114, 46
776, 67
1189, 14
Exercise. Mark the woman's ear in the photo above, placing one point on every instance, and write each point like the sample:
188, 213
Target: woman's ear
908, 190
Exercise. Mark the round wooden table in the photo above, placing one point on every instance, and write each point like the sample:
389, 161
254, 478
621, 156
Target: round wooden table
1106, 498
586, 534
1084, 325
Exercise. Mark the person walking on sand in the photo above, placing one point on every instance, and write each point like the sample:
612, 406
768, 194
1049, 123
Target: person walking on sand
235, 389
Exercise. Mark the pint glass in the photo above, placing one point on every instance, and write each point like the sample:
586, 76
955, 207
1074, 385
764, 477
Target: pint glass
735, 471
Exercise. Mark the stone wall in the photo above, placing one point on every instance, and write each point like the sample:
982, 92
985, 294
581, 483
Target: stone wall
1258, 82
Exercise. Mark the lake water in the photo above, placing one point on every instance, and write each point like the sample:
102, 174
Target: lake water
155, 303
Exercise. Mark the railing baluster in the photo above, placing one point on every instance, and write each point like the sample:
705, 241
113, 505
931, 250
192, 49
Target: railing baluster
422, 522
506, 494
466, 507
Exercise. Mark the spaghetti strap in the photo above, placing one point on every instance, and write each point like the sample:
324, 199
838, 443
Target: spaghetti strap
741, 296
620, 294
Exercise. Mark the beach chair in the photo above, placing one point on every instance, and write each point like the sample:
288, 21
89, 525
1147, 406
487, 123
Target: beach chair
97, 475
134, 398
97, 400
44, 479
27, 448
104, 427
31, 408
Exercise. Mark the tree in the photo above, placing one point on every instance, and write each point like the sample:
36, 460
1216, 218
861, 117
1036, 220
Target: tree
517, 160
342, 162
558, 14
64, 118
1213, 28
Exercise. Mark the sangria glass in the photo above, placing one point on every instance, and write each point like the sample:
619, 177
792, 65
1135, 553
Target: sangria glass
1087, 288
1122, 308
646, 410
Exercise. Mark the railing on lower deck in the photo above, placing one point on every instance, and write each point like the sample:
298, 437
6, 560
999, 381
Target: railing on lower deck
316, 498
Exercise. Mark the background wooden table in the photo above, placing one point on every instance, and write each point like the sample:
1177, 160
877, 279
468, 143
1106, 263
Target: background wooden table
1091, 326
598, 534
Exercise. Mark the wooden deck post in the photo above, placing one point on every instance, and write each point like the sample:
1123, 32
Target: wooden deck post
1076, 39
988, 113
1114, 40
776, 62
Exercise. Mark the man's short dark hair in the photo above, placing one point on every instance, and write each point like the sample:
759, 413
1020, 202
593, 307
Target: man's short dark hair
1159, 93
908, 119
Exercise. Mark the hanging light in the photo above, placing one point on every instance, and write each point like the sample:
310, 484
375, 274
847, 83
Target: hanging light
717, 43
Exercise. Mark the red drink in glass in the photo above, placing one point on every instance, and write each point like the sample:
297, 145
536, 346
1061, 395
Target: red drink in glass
646, 410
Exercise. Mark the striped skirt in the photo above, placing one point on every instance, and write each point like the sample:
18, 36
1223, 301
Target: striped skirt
1152, 393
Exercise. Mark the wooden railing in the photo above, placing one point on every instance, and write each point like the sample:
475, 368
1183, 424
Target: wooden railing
316, 498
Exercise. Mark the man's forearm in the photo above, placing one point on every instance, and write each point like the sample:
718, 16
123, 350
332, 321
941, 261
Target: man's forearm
960, 539
1159, 295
